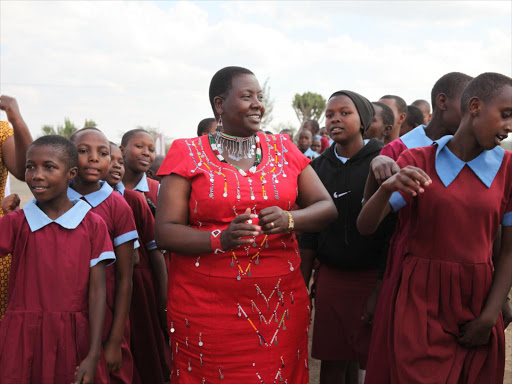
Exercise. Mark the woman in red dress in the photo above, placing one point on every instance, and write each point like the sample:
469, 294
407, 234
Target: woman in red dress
238, 307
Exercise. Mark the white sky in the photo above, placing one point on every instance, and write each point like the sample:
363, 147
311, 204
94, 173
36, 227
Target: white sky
129, 63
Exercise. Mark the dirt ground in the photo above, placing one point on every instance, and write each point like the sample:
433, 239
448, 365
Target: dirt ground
314, 365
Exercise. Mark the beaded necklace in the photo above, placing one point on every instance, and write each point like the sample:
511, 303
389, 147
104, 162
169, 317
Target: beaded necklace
252, 143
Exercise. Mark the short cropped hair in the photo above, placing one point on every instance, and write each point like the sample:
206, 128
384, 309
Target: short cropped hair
64, 147
76, 133
485, 86
450, 84
401, 105
314, 124
221, 82
203, 125
419, 102
414, 116
388, 118
128, 135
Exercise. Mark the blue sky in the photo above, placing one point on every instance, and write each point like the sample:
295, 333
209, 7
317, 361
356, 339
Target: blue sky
129, 63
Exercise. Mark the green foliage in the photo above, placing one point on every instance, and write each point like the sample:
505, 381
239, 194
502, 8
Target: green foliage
269, 106
90, 123
65, 130
309, 106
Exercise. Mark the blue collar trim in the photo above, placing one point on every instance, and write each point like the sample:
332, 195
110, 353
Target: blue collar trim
142, 185
95, 198
485, 166
37, 219
120, 188
416, 138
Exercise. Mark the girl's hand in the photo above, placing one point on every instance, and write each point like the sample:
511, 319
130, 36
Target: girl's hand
10, 203
383, 168
113, 356
273, 220
85, 373
475, 333
241, 226
410, 180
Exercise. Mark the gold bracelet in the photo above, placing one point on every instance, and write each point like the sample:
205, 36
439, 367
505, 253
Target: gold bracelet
291, 223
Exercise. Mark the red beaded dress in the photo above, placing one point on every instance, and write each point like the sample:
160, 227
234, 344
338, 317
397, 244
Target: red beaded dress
243, 316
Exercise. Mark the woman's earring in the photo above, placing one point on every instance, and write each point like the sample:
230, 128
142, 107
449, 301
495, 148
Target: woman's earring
219, 124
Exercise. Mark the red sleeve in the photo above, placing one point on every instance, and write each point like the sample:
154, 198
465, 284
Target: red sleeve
407, 158
294, 156
393, 149
144, 219
9, 228
177, 160
101, 245
124, 223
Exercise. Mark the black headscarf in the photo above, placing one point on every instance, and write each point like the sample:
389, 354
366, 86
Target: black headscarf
363, 105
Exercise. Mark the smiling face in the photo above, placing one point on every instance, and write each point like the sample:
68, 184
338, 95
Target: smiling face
46, 173
241, 109
342, 119
139, 152
116, 170
93, 155
492, 121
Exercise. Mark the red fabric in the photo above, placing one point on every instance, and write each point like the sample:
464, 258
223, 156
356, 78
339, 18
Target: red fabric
118, 216
393, 149
44, 335
148, 344
440, 285
340, 298
324, 141
204, 289
153, 190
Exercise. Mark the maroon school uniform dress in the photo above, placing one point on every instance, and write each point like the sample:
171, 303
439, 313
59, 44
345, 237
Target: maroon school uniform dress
44, 335
118, 216
447, 269
148, 343
242, 316
379, 351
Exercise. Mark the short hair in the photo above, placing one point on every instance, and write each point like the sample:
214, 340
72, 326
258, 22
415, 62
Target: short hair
414, 116
203, 125
128, 135
76, 133
450, 84
64, 147
401, 105
287, 131
419, 102
388, 118
221, 82
314, 125
305, 130
485, 86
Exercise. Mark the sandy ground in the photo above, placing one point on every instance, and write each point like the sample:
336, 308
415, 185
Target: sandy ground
314, 365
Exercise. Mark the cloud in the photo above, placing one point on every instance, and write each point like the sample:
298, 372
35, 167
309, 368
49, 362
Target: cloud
130, 63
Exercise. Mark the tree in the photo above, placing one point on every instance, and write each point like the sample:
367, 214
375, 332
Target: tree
269, 106
65, 130
90, 123
308, 106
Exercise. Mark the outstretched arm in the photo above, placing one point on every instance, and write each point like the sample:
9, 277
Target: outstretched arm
14, 149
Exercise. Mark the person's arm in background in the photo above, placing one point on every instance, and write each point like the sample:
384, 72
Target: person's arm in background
14, 149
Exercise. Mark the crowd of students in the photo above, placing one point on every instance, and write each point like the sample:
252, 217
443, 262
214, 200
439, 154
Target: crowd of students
410, 282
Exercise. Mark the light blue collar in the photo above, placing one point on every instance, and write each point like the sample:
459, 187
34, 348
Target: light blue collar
95, 198
120, 188
142, 185
416, 138
37, 219
448, 166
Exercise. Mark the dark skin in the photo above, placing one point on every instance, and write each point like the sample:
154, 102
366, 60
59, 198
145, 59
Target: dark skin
241, 110
15, 147
138, 154
399, 119
48, 176
482, 128
93, 164
344, 125
10, 203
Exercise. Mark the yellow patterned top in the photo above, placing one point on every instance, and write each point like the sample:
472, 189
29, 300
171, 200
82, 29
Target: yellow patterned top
5, 132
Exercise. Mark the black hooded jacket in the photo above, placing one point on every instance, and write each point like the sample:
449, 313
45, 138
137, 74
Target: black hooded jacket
340, 245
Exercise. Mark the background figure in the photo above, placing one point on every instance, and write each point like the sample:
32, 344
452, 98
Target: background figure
304, 142
424, 106
155, 166
382, 123
314, 127
238, 308
316, 145
206, 126
288, 132
413, 119
399, 108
